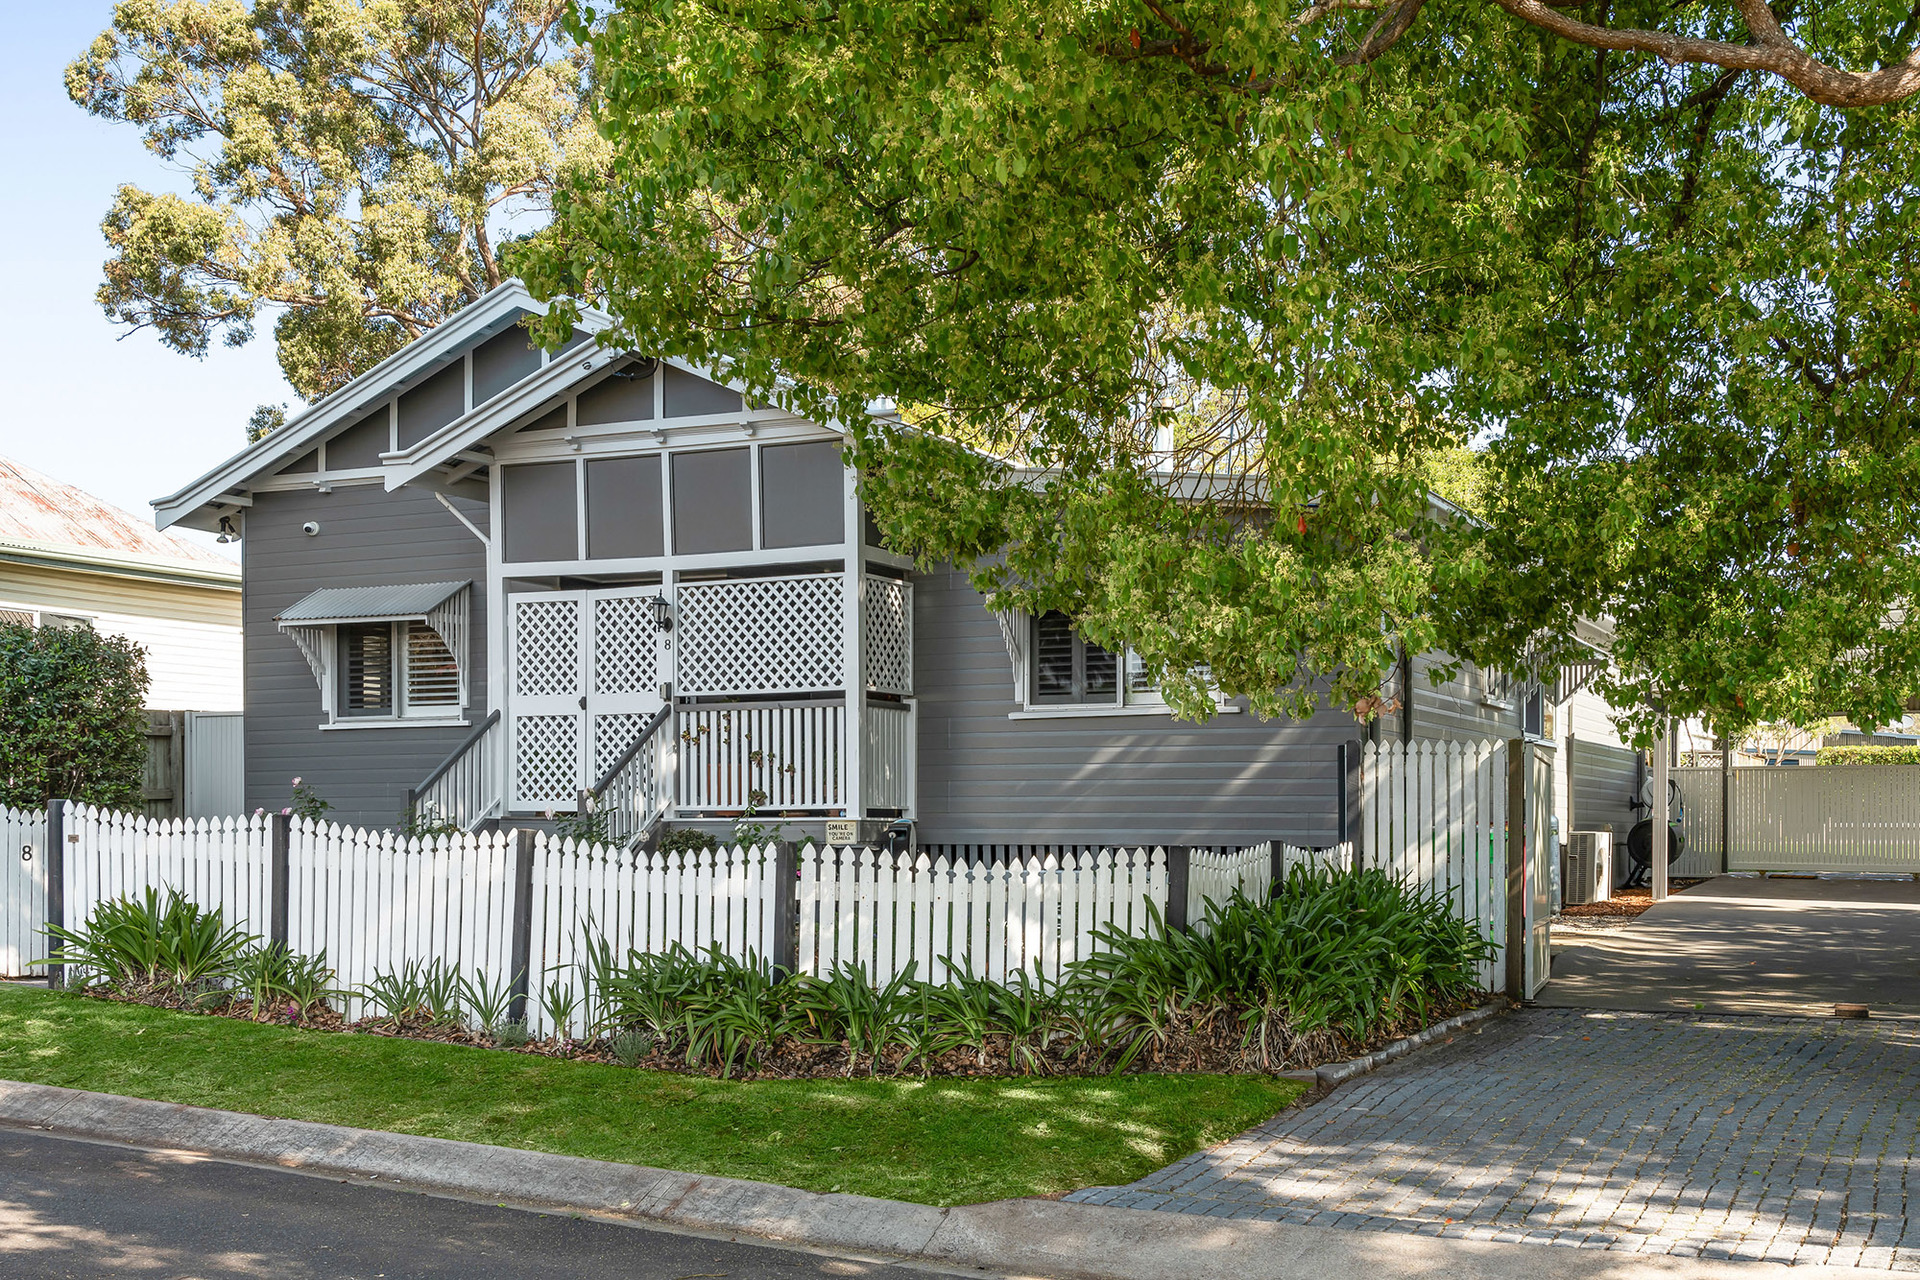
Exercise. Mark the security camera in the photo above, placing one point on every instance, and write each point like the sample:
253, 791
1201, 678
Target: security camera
310, 528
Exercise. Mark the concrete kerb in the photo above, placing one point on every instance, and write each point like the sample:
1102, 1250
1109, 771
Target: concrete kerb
1012, 1237
1338, 1072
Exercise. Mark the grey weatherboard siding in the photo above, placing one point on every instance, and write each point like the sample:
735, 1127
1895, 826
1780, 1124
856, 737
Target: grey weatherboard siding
987, 779
368, 537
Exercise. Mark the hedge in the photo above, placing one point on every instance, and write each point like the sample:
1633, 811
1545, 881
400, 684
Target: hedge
1868, 755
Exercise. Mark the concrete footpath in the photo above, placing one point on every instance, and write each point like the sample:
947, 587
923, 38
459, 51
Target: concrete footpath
1013, 1237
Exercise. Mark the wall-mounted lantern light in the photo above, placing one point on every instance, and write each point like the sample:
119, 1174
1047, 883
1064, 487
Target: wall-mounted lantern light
662, 613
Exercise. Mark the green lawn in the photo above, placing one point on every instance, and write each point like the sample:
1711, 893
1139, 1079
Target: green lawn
936, 1142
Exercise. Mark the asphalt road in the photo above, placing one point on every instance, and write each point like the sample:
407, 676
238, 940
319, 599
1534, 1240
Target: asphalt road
71, 1208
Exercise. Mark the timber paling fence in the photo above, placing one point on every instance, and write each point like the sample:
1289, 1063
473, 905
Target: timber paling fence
521, 909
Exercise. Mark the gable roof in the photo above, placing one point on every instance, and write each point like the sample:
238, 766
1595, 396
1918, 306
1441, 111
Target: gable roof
493, 312
49, 521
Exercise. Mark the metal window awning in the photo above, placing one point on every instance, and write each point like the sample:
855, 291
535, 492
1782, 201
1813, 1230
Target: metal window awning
441, 605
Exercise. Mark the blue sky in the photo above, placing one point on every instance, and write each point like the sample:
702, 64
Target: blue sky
126, 419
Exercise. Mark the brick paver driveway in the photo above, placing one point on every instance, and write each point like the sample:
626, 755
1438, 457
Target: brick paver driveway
1787, 1139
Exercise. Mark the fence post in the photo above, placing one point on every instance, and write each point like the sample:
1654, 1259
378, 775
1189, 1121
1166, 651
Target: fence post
279, 881
1517, 869
1179, 866
786, 906
522, 952
1726, 805
56, 855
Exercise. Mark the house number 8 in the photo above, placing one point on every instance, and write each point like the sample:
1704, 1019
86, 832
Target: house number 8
26, 853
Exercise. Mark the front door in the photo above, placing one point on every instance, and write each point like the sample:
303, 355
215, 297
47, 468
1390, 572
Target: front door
583, 681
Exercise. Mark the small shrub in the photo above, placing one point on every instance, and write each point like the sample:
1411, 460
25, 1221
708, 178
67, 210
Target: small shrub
631, 1046
273, 975
688, 840
512, 1035
307, 802
595, 826
146, 949
426, 822
1883, 754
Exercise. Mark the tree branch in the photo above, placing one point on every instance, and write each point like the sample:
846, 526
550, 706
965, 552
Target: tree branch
1773, 51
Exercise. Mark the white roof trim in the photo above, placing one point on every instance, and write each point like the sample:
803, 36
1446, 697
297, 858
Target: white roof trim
425, 355
530, 393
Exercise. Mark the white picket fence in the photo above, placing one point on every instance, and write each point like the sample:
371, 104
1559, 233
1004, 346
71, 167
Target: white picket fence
589, 896
374, 902
214, 862
1436, 813
23, 889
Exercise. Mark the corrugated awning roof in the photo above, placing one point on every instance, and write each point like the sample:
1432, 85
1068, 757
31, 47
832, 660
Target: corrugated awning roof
370, 604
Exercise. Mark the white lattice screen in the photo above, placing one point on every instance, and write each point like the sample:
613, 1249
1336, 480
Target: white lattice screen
762, 635
547, 756
546, 647
624, 645
886, 629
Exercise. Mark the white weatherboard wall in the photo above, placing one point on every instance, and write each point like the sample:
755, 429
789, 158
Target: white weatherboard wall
1858, 818
23, 889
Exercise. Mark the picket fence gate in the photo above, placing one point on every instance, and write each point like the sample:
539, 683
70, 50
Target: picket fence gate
1438, 814
23, 889
523, 910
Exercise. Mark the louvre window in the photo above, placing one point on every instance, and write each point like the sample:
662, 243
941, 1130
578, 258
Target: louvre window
1068, 668
433, 679
366, 669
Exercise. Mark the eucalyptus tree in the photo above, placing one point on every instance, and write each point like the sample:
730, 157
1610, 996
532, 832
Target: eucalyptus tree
350, 165
1179, 304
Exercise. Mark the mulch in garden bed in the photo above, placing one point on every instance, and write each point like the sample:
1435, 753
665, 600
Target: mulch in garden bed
1625, 903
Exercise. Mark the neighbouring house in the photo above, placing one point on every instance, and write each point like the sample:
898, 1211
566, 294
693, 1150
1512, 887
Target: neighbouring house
68, 559
482, 578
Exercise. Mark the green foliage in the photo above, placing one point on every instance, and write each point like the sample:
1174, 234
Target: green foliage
594, 826
418, 992
688, 840
426, 822
1867, 755
350, 165
512, 1035
1671, 308
307, 802
272, 976
70, 716
1336, 959
145, 948
266, 419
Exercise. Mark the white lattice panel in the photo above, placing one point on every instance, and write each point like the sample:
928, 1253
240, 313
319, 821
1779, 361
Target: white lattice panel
624, 645
886, 630
613, 734
546, 759
762, 635
546, 653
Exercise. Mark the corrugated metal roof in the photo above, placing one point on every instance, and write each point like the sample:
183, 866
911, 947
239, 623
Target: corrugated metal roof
38, 509
336, 604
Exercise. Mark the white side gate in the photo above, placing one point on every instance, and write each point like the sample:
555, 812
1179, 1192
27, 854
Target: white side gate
23, 889
1442, 815
584, 674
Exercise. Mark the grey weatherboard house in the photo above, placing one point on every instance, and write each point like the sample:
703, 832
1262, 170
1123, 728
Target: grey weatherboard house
482, 578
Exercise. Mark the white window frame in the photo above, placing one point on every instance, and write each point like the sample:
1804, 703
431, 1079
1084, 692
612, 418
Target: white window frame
402, 715
1124, 702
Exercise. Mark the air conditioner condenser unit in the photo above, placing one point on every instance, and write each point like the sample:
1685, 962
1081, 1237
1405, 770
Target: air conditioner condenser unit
1588, 873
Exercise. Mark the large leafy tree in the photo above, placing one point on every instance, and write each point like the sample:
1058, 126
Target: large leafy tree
352, 163
1180, 303
71, 725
